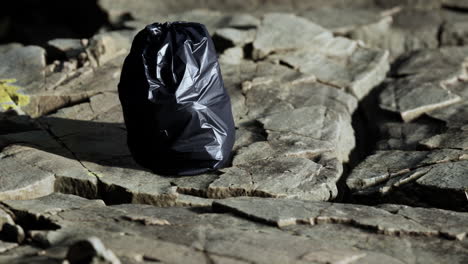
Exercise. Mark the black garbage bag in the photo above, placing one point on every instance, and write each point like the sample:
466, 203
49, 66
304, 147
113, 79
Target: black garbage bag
176, 109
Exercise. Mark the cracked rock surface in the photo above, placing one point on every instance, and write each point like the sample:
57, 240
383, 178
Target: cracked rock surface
351, 140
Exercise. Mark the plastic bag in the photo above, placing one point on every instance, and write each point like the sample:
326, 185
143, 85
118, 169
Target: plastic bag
177, 112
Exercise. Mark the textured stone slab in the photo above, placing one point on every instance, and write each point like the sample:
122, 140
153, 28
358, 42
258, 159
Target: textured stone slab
454, 115
343, 20
432, 178
271, 178
448, 177
422, 91
299, 31
318, 123
47, 88
413, 96
37, 173
110, 45
357, 70
25, 64
135, 232
50, 205
288, 177
133, 185
456, 33
267, 96
452, 139
408, 30
387, 219
6, 47
21, 179
405, 136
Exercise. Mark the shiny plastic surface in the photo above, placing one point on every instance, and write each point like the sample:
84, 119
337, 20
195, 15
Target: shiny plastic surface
176, 109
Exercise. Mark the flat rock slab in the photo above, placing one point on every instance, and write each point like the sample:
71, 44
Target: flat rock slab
269, 177
49, 205
421, 91
419, 173
336, 61
46, 88
22, 179
25, 64
387, 219
147, 232
451, 139
344, 20
406, 136
413, 96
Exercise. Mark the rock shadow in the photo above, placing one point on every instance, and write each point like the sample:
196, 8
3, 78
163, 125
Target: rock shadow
104, 143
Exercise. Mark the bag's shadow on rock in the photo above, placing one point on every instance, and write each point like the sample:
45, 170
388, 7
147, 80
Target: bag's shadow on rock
103, 143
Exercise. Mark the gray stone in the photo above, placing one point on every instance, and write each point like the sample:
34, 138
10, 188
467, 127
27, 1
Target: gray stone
42, 91
21, 178
192, 201
49, 205
103, 107
405, 136
6, 47
455, 33
422, 91
268, 96
317, 123
358, 70
402, 30
45, 171
388, 219
271, 34
28, 254
445, 62
452, 139
25, 64
455, 115
343, 20
248, 135
141, 187
233, 55
289, 177
141, 232
110, 45
449, 178
390, 171
255, 151
413, 96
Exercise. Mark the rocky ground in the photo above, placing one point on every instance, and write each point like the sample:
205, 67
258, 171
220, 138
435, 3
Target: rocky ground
351, 142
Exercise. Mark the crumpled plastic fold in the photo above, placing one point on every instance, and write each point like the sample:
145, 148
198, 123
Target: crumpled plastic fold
176, 109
